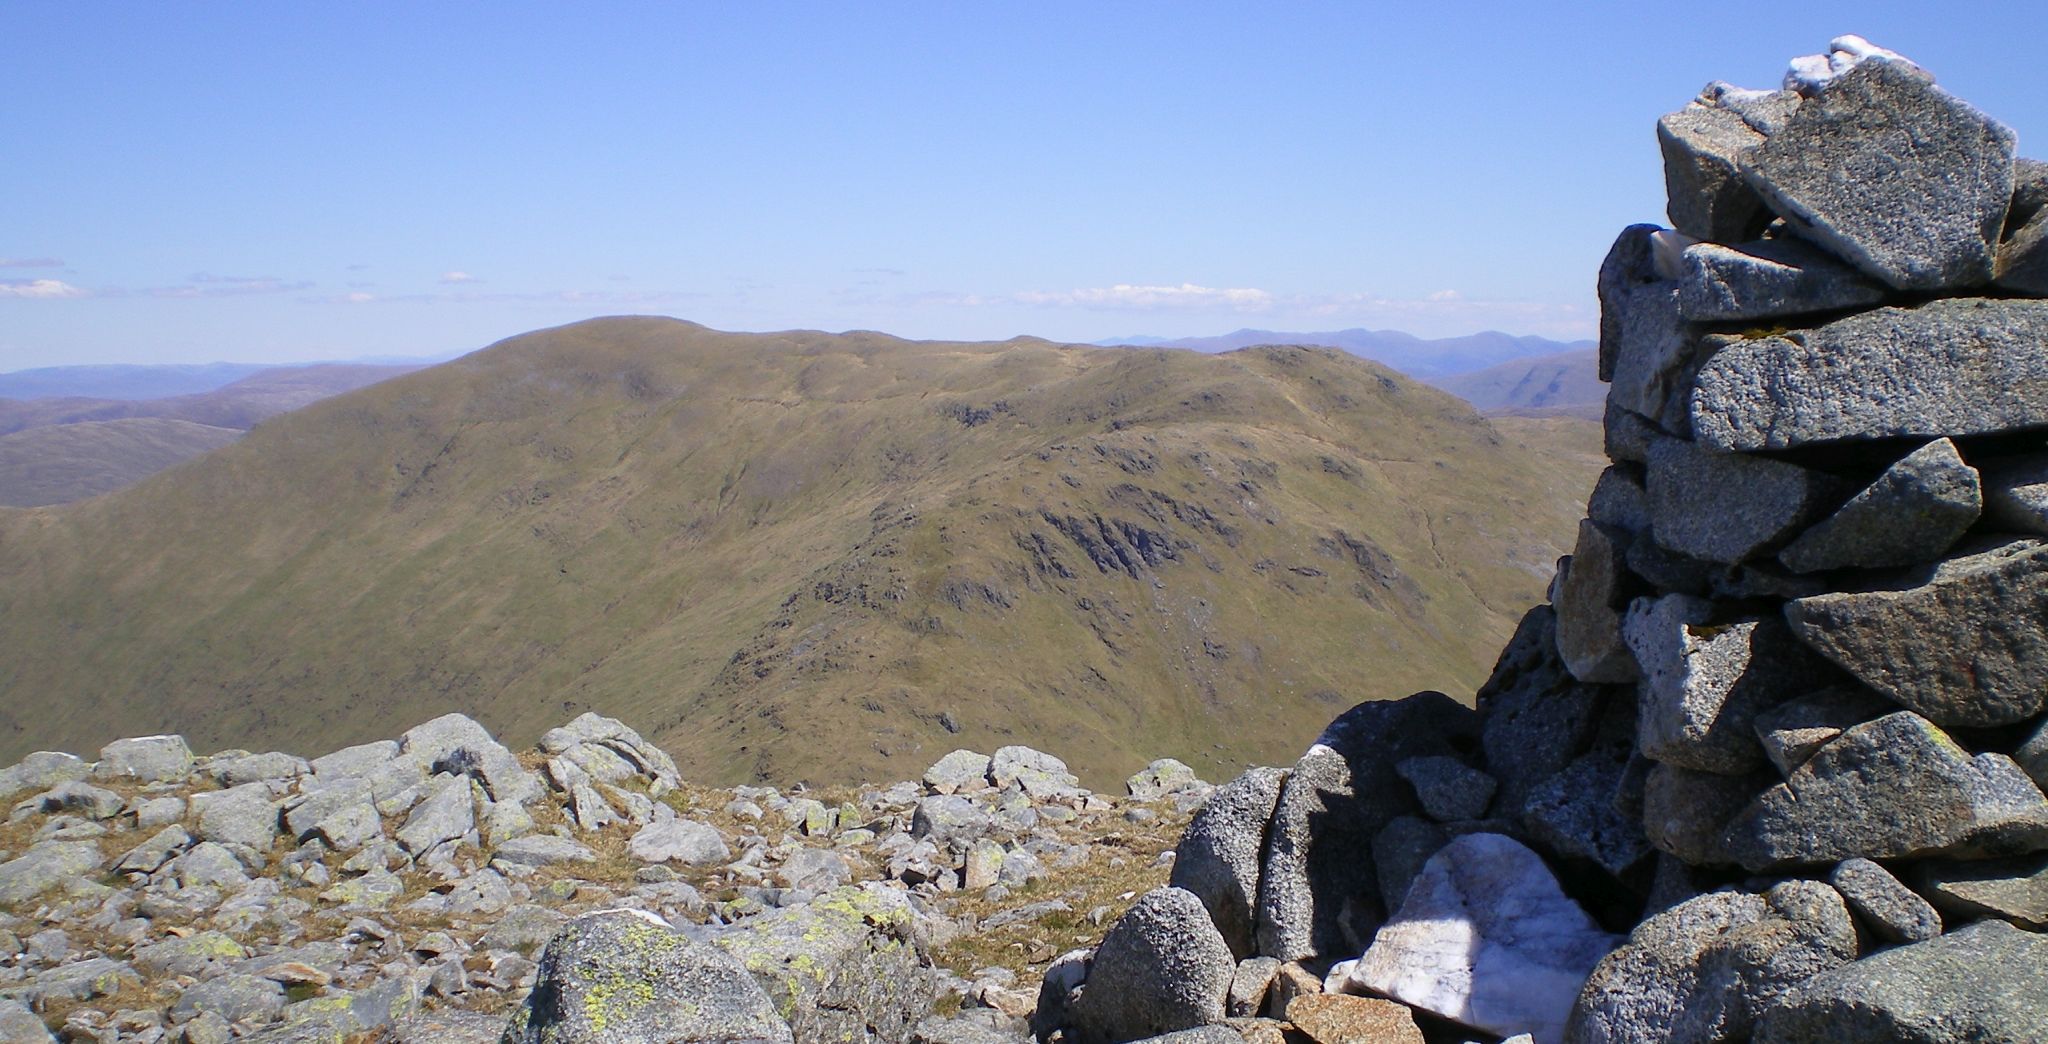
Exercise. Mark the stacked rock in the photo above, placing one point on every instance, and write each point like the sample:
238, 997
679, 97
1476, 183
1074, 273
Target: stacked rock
1771, 764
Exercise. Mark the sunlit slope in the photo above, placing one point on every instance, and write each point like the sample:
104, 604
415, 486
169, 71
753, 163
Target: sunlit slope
800, 555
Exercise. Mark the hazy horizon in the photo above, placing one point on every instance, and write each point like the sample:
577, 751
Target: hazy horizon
293, 184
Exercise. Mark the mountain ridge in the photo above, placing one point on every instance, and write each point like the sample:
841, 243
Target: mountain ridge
754, 545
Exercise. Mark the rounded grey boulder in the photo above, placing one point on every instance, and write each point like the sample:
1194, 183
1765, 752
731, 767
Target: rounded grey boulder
624, 977
1162, 968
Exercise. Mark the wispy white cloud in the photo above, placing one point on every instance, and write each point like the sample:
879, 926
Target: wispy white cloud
39, 288
451, 278
31, 262
202, 284
591, 297
1153, 298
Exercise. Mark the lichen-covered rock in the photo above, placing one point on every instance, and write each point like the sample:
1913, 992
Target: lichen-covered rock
845, 967
1964, 643
1218, 857
1983, 982
1162, 968
1638, 992
625, 977
1041, 775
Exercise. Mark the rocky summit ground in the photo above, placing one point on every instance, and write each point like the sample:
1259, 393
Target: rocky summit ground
404, 890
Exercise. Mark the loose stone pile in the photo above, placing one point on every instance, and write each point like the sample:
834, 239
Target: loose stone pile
419, 889
1771, 764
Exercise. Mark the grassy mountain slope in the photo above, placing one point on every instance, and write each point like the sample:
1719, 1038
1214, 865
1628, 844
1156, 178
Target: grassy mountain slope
59, 463
1566, 383
802, 555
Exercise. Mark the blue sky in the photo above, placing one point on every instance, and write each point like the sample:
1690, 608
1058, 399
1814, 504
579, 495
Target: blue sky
286, 182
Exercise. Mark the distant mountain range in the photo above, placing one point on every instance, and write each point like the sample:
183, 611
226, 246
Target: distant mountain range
56, 450
1567, 383
1421, 358
79, 431
803, 555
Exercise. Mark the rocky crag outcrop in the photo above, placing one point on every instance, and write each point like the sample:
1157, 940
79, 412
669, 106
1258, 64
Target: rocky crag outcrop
441, 887
1770, 764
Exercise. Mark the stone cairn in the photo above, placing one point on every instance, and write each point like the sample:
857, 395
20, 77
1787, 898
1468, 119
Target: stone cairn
1770, 764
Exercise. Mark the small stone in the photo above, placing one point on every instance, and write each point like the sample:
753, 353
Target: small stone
243, 815
1316, 895
1765, 279
447, 813
1708, 198
1913, 513
1962, 643
2023, 259
1793, 730
1619, 500
1597, 587
1729, 507
984, 863
1894, 912
1330, 1018
1686, 813
541, 850
2014, 889
147, 759
1041, 775
679, 840
1892, 174
1248, 986
958, 771
2016, 494
1162, 777
46, 865
353, 762
1448, 788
